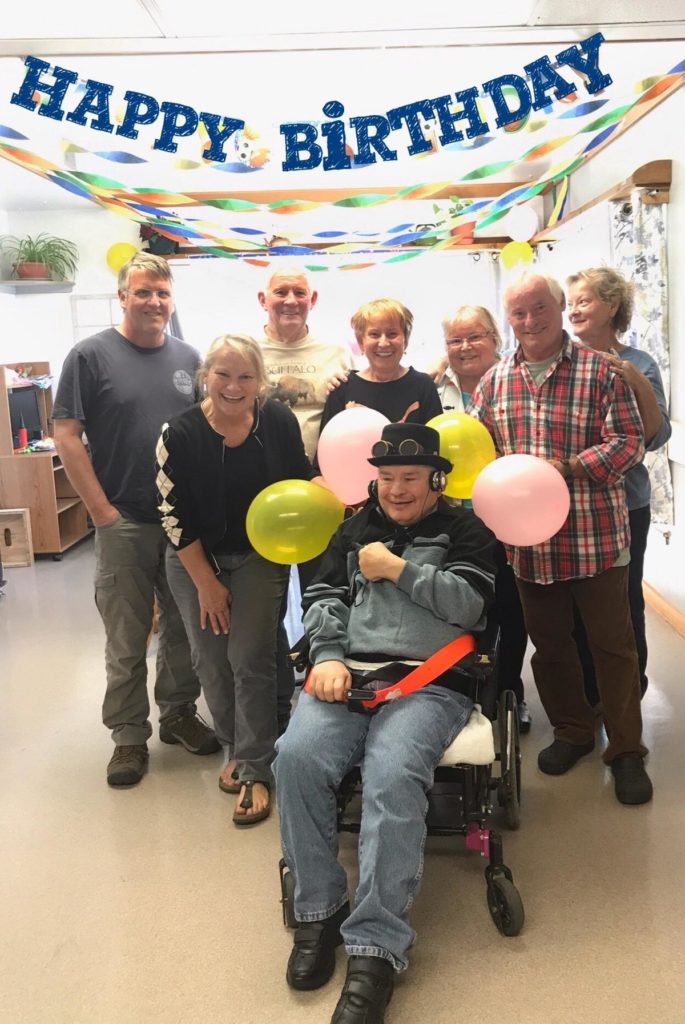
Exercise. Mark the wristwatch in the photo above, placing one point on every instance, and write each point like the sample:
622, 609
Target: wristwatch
566, 469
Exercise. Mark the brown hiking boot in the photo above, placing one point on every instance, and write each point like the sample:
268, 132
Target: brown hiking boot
127, 764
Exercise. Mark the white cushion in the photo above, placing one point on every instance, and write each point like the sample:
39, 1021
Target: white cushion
474, 744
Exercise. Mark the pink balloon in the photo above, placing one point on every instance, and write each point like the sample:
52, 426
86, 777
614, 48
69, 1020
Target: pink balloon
523, 499
344, 448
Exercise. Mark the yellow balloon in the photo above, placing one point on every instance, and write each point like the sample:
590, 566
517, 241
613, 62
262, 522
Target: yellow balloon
293, 521
516, 252
469, 447
118, 254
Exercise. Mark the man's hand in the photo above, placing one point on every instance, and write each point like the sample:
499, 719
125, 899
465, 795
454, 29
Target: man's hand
328, 681
377, 563
336, 379
103, 517
436, 370
215, 606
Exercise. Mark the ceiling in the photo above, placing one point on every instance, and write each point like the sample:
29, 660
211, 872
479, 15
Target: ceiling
203, 26
134, 26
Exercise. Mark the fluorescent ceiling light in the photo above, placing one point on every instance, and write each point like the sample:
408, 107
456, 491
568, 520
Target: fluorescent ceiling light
206, 18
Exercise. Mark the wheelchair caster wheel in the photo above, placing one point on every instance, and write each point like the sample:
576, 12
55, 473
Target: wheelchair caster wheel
288, 896
505, 905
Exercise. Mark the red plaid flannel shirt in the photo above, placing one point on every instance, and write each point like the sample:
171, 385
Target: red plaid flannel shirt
579, 408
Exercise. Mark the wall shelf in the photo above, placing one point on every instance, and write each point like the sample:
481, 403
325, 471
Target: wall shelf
36, 286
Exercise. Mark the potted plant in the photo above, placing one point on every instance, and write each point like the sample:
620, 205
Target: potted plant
41, 256
158, 244
456, 206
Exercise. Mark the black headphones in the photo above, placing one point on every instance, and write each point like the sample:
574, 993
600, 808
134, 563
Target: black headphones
437, 481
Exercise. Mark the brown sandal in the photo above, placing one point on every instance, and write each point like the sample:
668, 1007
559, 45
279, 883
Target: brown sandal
231, 787
244, 820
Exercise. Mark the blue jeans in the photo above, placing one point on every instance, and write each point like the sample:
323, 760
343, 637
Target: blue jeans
398, 749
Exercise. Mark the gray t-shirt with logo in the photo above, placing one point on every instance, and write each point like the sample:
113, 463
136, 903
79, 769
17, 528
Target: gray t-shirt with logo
122, 394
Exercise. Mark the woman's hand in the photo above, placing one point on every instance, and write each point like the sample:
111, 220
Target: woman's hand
627, 370
336, 379
215, 606
329, 680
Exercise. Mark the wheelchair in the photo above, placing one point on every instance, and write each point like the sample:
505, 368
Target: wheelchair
465, 784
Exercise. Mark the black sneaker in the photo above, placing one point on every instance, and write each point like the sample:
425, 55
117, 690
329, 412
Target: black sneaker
127, 764
560, 756
366, 992
631, 782
191, 731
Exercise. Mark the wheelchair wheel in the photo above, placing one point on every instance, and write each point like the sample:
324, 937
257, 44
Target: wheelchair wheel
509, 788
505, 905
287, 896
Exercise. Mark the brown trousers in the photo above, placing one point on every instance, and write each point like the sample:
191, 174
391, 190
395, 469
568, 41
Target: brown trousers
603, 604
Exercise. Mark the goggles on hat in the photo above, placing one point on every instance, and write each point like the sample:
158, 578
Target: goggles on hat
407, 447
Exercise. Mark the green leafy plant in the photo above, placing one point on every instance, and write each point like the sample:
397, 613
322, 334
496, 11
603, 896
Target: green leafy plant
456, 206
59, 255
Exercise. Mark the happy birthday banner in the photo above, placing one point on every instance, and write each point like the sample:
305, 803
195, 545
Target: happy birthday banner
307, 146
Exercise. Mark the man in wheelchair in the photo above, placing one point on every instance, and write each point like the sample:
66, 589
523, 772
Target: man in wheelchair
399, 581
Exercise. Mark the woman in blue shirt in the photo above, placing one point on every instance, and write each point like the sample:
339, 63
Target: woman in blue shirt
600, 308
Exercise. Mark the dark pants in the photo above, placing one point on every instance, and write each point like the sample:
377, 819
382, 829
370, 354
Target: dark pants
513, 636
285, 674
603, 604
639, 528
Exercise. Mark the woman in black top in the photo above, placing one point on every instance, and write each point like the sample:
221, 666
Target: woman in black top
211, 462
401, 393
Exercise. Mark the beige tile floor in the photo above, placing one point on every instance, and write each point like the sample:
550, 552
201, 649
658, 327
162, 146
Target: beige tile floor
148, 906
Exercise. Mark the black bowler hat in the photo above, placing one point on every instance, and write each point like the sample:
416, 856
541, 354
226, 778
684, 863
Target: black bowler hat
409, 444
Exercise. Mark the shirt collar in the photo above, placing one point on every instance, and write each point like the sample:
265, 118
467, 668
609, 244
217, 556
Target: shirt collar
565, 352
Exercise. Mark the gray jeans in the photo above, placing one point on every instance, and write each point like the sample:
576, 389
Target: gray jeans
129, 575
238, 671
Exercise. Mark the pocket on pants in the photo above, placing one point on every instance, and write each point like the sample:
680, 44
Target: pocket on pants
105, 586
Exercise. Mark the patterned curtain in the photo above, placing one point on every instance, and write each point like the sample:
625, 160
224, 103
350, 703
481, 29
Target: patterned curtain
638, 236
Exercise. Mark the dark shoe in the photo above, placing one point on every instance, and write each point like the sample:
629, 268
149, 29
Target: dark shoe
525, 721
366, 992
559, 756
127, 764
190, 731
312, 960
631, 782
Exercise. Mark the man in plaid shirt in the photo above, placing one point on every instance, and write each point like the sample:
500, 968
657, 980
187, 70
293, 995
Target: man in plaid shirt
559, 401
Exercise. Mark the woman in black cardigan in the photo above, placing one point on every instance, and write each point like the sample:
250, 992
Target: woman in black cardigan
211, 462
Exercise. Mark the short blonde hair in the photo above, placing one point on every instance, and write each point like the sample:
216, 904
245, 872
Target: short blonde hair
484, 316
245, 346
610, 285
156, 265
377, 307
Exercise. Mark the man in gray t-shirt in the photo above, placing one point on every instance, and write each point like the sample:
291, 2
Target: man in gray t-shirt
119, 387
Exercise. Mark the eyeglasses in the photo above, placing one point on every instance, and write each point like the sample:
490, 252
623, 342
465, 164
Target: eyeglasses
470, 339
407, 447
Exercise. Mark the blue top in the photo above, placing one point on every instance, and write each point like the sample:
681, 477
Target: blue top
638, 487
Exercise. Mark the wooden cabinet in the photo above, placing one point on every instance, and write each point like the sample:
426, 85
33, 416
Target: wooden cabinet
38, 481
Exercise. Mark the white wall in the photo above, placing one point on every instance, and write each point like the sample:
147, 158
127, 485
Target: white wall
40, 327
220, 296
